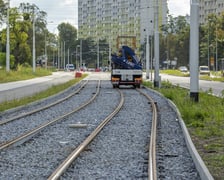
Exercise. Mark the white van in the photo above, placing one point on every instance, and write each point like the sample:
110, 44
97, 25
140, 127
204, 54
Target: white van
70, 67
204, 70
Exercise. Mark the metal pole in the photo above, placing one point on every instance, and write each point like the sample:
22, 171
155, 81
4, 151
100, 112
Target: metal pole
156, 48
77, 64
61, 54
109, 55
194, 51
80, 53
34, 44
68, 56
216, 57
76, 57
208, 42
45, 50
98, 53
8, 43
147, 54
58, 55
64, 54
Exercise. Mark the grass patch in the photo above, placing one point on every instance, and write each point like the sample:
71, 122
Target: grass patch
216, 76
175, 72
212, 78
22, 73
44, 94
205, 122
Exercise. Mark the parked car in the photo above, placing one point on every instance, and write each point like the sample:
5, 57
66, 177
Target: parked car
70, 67
204, 70
183, 69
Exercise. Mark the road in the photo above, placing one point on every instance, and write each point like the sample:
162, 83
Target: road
20, 89
215, 87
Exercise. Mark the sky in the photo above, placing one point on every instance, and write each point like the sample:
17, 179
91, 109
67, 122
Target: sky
59, 11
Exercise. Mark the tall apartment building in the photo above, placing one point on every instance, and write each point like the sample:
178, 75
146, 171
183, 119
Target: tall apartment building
207, 7
108, 19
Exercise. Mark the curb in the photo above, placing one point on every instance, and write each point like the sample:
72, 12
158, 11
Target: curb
199, 163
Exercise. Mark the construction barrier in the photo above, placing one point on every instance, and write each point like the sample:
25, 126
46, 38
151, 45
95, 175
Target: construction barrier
78, 74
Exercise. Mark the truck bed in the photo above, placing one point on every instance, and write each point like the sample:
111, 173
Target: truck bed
126, 77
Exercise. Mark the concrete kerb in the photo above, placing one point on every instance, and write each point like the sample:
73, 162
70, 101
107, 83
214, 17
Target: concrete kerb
199, 163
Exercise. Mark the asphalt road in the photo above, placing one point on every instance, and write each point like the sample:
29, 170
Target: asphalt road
214, 86
19, 89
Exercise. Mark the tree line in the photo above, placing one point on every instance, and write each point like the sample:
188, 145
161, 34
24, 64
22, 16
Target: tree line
174, 40
175, 36
21, 21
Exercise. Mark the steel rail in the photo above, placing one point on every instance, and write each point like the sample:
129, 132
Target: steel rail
44, 107
70, 159
152, 172
34, 131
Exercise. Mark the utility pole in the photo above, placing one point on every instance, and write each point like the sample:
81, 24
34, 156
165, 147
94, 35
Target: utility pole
59, 55
68, 56
80, 52
148, 28
156, 48
194, 51
109, 60
34, 43
45, 49
8, 41
98, 54
64, 54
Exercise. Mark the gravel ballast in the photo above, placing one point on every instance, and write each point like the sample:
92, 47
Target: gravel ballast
120, 151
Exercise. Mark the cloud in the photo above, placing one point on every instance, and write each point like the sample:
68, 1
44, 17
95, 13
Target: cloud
179, 7
58, 11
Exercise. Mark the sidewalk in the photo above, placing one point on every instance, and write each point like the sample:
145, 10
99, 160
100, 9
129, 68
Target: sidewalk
19, 89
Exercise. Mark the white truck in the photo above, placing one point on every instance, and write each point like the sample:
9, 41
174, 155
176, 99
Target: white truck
126, 77
126, 68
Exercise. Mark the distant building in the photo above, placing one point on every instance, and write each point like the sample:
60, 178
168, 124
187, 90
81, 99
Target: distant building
108, 19
207, 7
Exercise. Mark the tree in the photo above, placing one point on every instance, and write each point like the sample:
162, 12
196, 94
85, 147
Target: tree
67, 34
21, 32
31, 13
175, 40
2, 11
67, 37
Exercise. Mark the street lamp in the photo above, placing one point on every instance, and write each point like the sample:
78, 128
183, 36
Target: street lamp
7, 43
98, 54
156, 47
76, 64
194, 51
34, 43
81, 52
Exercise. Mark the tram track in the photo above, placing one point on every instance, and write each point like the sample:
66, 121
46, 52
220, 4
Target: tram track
67, 162
27, 135
120, 151
152, 173
22, 115
152, 167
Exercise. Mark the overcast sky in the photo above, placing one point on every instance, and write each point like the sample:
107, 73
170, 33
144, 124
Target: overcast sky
67, 10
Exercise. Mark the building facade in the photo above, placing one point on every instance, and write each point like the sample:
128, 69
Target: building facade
109, 19
207, 7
